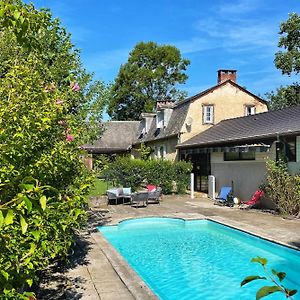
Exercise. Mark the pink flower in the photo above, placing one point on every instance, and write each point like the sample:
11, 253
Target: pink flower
75, 87
58, 102
62, 122
69, 138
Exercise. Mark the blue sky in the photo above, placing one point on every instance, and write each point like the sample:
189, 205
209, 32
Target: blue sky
237, 34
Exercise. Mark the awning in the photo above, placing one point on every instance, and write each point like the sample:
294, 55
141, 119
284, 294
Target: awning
239, 148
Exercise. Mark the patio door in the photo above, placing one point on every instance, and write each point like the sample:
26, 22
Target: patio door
201, 170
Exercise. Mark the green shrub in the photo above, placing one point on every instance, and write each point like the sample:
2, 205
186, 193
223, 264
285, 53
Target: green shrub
182, 171
161, 173
283, 188
46, 101
132, 173
126, 172
100, 164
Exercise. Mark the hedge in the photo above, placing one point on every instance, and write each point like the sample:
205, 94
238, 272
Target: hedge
170, 176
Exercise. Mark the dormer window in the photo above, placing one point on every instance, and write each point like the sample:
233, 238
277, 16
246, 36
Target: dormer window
160, 119
144, 127
250, 110
208, 114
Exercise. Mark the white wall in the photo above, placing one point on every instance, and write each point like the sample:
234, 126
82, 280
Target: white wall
246, 175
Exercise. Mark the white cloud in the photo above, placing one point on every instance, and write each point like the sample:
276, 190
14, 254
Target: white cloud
194, 45
237, 34
238, 7
270, 81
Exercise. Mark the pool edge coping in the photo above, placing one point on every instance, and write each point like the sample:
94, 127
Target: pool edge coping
134, 283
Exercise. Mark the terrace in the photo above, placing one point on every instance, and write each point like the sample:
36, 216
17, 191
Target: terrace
99, 272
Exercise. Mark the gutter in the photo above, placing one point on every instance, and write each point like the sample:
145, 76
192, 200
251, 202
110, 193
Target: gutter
256, 137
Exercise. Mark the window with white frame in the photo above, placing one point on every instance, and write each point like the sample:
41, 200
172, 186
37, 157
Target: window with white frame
208, 114
144, 127
156, 152
250, 110
162, 152
160, 119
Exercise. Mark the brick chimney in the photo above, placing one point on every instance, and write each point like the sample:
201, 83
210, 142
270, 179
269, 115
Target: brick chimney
224, 75
166, 103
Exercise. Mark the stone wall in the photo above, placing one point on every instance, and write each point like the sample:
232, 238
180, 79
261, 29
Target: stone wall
228, 101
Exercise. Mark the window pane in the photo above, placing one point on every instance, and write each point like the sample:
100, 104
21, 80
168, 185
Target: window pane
160, 120
208, 114
250, 110
247, 155
231, 156
290, 149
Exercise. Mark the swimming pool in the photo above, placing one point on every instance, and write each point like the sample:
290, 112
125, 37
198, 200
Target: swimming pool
199, 259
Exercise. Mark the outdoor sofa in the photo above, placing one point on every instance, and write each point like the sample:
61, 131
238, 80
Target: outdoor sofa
153, 195
116, 194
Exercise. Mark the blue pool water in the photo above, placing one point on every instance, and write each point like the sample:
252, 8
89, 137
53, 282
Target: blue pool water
199, 259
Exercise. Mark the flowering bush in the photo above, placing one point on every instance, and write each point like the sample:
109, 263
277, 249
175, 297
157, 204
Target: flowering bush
44, 120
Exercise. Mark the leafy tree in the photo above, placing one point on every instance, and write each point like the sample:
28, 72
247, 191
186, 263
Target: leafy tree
151, 74
289, 61
284, 96
49, 107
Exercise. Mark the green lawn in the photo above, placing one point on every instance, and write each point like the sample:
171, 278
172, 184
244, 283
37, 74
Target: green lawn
100, 187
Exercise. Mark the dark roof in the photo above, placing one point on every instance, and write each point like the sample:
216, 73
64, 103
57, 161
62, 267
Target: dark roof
179, 113
117, 137
173, 128
264, 125
203, 93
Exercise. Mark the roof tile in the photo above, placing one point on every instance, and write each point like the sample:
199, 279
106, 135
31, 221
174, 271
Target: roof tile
263, 125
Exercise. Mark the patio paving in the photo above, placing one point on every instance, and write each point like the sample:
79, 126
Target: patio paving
105, 275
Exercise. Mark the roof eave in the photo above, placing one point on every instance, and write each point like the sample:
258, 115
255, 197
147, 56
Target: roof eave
211, 89
220, 142
156, 139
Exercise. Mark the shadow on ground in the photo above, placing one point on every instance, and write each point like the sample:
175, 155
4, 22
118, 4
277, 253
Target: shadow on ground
55, 282
296, 244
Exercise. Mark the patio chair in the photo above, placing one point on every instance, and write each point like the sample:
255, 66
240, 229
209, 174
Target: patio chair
138, 198
111, 197
254, 202
155, 196
223, 197
126, 195
151, 187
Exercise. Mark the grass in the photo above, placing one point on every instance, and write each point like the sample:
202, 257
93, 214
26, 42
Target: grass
100, 187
